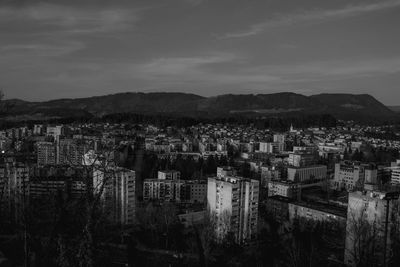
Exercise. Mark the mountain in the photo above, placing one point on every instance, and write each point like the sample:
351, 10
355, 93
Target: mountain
108, 104
342, 106
261, 103
356, 107
394, 108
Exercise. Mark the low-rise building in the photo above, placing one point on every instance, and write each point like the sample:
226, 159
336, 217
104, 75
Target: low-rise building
317, 212
307, 174
286, 189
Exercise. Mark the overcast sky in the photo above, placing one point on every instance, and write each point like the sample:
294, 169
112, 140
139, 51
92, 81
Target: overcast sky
66, 48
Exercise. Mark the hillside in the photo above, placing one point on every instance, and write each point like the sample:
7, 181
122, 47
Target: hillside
342, 106
350, 106
394, 108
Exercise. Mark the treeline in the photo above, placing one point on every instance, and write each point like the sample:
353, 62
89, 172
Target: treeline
6, 124
276, 123
188, 166
388, 135
369, 154
281, 122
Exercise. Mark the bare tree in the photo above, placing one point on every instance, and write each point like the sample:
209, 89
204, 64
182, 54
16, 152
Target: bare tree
97, 172
169, 215
93, 204
3, 184
363, 244
206, 238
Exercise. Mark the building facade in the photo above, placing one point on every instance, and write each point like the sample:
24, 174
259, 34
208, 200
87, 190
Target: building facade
284, 188
118, 195
348, 175
46, 153
301, 159
71, 152
307, 174
233, 206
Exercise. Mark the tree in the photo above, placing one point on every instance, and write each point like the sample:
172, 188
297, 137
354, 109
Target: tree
362, 240
74, 233
206, 239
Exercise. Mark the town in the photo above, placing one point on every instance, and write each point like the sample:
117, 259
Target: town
220, 194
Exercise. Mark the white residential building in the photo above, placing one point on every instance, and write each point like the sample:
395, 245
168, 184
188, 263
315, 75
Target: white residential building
169, 175
279, 138
271, 147
395, 176
307, 174
46, 153
233, 204
348, 175
284, 188
301, 159
119, 196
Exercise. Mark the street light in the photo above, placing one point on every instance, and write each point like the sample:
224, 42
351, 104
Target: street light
388, 196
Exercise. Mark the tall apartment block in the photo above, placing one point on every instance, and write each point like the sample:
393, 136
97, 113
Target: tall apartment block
55, 131
162, 189
46, 153
14, 187
71, 152
395, 172
169, 187
233, 206
118, 196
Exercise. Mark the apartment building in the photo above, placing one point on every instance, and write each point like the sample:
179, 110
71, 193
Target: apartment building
233, 205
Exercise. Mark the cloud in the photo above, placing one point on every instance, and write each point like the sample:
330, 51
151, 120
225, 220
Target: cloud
40, 49
280, 20
177, 65
212, 74
219, 70
195, 2
331, 70
174, 72
213, 70
237, 73
69, 18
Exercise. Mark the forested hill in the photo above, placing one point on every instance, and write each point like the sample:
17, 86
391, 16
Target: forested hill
342, 106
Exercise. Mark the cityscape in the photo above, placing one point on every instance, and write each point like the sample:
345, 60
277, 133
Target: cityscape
199, 133
122, 194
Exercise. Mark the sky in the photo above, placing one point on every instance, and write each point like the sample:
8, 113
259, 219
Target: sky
79, 48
